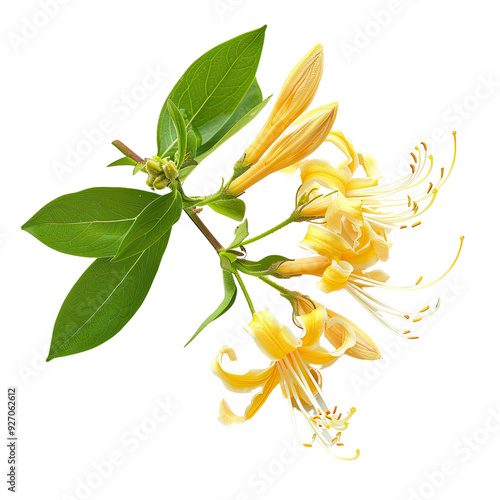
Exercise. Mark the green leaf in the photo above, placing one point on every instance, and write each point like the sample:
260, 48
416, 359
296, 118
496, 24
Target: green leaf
233, 129
103, 300
138, 167
226, 304
265, 266
89, 223
212, 88
123, 161
230, 207
240, 233
180, 128
150, 225
192, 144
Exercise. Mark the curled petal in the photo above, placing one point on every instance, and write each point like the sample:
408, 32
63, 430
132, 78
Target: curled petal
239, 383
340, 330
335, 277
313, 324
228, 417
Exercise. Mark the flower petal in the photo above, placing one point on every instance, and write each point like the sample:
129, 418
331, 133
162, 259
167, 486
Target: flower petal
228, 417
339, 329
273, 339
313, 324
325, 242
335, 277
239, 383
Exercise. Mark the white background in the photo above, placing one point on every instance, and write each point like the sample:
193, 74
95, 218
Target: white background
417, 75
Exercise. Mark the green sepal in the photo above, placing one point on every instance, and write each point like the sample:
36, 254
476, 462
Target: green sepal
240, 234
263, 267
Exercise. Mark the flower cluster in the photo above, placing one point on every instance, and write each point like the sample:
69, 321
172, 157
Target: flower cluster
350, 216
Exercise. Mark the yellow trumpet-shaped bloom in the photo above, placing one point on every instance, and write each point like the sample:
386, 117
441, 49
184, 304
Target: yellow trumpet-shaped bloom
338, 272
297, 93
291, 359
289, 149
338, 330
351, 203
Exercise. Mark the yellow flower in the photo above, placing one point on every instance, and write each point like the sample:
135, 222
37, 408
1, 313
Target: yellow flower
295, 96
338, 271
339, 330
336, 259
352, 202
288, 150
291, 360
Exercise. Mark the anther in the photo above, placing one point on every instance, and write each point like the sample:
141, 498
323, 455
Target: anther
416, 224
430, 187
424, 145
424, 309
414, 157
419, 280
406, 316
403, 227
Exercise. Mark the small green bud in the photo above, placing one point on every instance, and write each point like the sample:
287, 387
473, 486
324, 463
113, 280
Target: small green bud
161, 182
150, 180
153, 166
170, 170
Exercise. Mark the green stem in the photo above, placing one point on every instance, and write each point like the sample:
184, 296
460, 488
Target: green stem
245, 292
280, 289
293, 218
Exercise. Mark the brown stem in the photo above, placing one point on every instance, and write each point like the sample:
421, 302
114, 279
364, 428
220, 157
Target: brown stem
192, 215
204, 229
127, 151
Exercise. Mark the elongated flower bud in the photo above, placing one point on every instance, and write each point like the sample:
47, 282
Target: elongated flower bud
297, 93
288, 150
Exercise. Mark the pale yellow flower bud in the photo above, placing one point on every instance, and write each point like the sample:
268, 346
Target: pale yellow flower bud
295, 96
288, 150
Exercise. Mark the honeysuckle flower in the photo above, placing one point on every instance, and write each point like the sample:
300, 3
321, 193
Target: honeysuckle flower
339, 275
352, 202
289, 149
339, 330
336, 259
297, 93
291, 359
